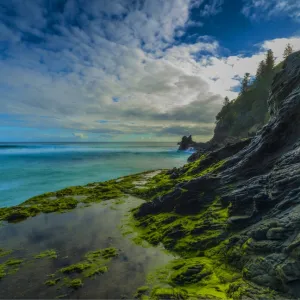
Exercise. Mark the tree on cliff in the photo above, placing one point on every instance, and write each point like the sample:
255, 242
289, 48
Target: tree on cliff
226, 101
261, 69
270, 61
245, 83
287, 51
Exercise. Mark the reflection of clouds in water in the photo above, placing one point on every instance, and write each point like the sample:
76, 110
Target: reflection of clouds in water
73, 234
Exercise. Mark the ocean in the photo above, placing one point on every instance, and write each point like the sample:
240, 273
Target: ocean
29, 169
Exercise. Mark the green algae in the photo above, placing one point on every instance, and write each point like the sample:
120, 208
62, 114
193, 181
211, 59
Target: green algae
205, 269
76, 268
9, 267
14, 261
4, 252
186, 235
2, 271
106, 253
46, 254
169, 293
52, 282
194, 278
75, 283
94, 263
142, 289
164, 182
33, 207
96, 271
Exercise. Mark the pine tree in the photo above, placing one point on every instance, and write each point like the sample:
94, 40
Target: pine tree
287, 51
245, 83
270, 61
226, 101
261, 69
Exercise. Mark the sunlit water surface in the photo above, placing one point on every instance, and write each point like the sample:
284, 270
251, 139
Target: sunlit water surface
31, 169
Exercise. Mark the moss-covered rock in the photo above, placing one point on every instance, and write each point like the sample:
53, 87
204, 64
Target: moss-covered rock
51, 253
75, 283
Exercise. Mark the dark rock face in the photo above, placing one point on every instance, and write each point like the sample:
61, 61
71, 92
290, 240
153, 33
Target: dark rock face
222, 153
260, 185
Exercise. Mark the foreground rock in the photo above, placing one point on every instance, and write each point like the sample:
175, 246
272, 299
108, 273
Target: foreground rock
244, 212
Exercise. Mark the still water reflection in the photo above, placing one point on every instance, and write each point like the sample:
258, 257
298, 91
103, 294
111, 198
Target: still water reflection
72, 235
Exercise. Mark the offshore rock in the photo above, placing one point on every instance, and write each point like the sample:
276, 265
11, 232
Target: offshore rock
186, 142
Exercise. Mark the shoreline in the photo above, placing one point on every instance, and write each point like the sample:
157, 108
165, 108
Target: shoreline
26, 175
189, 267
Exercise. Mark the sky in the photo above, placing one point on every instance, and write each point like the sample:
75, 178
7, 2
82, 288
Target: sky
130, 70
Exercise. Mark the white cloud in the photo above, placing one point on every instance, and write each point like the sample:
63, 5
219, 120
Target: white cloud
69, 79
256, 9
228, 70
212, 8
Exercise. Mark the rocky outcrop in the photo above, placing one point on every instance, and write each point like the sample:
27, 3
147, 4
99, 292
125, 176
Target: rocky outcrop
259, 185
186, 142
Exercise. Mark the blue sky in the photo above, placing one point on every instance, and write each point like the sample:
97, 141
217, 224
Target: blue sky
119, 70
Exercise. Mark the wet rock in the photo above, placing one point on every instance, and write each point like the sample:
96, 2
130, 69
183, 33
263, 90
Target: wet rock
276, 234
288, 271
176, 232
223, 152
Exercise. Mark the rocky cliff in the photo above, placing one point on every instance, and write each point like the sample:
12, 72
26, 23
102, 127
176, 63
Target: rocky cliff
238, 209
244, 116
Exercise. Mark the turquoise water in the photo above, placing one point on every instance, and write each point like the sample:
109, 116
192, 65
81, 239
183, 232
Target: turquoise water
27, 170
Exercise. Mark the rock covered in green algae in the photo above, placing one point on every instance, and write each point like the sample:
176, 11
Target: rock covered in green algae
51, 253
75, 283
257, 236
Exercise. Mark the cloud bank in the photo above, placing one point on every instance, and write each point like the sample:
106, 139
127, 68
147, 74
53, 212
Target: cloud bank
116, 69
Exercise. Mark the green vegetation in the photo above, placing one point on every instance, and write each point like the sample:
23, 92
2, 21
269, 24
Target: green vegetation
197, 277
2, 271
5, 252
76, 268
141, 291
244, 115
164, 182
93, 263
10, 266
209, 263
106, 253
52, 282
187, 235
13, 261
287, 51
47, 254
75, 283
